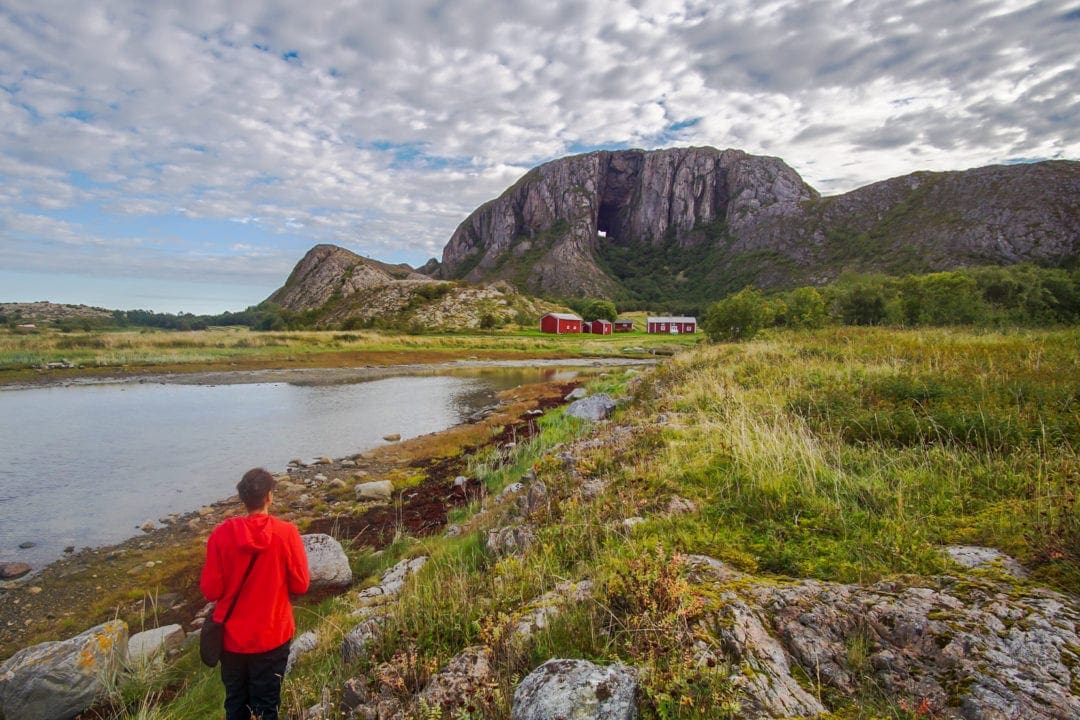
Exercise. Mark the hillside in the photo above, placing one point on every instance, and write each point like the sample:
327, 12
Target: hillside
692, 224
338, 288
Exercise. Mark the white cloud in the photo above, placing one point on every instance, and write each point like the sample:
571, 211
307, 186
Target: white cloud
381, 126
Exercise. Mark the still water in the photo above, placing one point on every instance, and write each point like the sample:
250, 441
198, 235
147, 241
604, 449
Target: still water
85, 465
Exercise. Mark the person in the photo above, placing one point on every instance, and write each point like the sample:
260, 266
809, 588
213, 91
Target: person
258, 633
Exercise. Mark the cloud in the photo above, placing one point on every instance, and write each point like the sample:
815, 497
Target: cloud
381, 128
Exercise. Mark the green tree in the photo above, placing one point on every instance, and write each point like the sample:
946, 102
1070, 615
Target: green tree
599, 310
736, 317
806, 308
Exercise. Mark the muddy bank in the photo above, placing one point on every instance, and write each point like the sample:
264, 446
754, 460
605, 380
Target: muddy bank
313, 375
152, 579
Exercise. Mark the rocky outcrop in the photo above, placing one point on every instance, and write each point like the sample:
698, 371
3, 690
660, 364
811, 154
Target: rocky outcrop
58, 680
329, 271
559, 230
544, 233
576, 689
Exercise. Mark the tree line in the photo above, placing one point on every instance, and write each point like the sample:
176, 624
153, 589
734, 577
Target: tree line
1019, 295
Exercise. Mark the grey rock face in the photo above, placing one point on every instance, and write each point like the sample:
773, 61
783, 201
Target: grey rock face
595, 407
971, 556
58, 680
327, 562
546, 227
576, 689
558, 208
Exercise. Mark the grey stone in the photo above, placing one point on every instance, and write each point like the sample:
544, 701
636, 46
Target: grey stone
392, 580
356, 641
12, 570
595, 407
146, 645
58, 680
375, 490
971, 556
327, 563
576, 394
301, 645
576, 689
510, 540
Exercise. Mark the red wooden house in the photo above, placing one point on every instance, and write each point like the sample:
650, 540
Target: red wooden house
601, 327
624, 325
672, 325
560, 323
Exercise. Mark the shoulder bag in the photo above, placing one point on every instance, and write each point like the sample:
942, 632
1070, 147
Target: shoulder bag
212, 634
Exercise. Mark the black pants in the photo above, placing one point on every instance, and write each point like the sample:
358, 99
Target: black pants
253, 683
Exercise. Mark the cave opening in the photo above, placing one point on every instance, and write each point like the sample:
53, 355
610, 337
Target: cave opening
607, 220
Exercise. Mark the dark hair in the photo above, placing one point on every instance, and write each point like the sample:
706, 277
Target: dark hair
254, 487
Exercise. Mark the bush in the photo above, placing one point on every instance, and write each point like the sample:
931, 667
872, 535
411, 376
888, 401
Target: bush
737, 317
805, 309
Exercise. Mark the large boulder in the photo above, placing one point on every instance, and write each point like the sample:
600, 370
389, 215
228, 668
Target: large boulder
576, 689
12, 570
375, 490
327, 563
58, 680
595, 407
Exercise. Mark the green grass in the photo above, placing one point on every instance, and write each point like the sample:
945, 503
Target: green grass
843, 454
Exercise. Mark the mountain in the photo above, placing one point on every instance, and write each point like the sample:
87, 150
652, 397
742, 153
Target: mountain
338, 288
694, 223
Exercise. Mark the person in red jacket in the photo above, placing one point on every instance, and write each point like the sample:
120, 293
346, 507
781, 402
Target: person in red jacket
258, 633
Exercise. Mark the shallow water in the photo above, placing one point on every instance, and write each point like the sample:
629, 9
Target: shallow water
85, 465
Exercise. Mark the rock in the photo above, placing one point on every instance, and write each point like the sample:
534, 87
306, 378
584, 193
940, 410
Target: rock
26, 545
348, 463
327, 563
576, 689
145, 646
576, 394
375, 490
337, 484
632, 521
511, 489
595, 407
392, 580
534, 413
324, 461
148, 526
533, 499
392, 438
301, 645
510, 540
319, 478
58, 680
453, 686
354, 644
540, 612
970, 556
69, 549
12, 570
680, 506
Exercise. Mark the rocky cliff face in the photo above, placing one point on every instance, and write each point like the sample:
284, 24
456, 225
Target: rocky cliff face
341, 288
544, 233
620, 223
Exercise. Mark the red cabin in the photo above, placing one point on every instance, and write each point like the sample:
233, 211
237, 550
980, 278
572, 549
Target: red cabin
623, 325
601, 327
669, 325
560, 323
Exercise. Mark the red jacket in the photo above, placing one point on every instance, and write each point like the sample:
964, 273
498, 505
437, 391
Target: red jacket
263, 618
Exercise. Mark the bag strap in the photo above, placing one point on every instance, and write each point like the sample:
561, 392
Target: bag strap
240, 589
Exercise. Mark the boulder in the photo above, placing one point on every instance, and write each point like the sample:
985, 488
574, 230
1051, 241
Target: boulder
327, 563
10, 571
58, 680
576, 394
576, 689
145, 646
595, 407
375, 490
355, 643
301, 645
510, 540
453, 686
535, 498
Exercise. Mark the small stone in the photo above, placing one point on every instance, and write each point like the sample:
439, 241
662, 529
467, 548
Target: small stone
147, 526
392, 438
69, 549
26, 545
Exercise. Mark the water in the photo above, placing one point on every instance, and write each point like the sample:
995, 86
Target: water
85, 465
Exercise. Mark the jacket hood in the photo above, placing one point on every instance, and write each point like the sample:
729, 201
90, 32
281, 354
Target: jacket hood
250, 532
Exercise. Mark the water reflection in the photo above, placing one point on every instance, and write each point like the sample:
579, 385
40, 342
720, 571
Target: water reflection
85, 465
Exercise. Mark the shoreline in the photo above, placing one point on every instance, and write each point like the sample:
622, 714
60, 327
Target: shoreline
152, 579
318, 375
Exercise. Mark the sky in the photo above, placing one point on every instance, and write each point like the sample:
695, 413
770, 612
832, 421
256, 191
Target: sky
184, 156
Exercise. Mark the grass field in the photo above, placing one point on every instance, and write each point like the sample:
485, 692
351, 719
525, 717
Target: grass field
22, 353
842, 454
